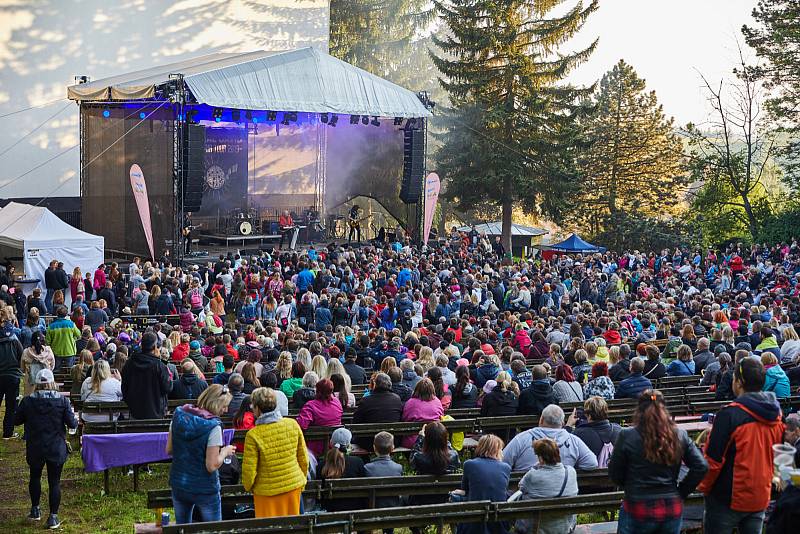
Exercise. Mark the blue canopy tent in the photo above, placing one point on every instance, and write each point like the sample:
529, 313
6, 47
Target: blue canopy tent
575, 245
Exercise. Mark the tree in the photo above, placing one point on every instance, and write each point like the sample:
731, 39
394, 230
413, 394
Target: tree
512, 128
634, 163
776, 40
733, 161
375, 35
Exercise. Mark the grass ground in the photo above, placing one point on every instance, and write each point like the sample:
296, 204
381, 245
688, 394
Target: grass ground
84, 506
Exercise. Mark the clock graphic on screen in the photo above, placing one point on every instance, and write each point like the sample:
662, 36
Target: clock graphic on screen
215, 178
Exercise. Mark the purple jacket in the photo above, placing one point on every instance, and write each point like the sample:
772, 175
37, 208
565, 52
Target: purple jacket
419, 410
320, 413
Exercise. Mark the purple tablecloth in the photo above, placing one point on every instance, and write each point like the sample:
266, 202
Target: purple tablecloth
102, 451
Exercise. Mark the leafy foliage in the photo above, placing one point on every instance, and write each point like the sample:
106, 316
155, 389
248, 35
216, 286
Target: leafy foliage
512, 129
634, 163
639, 232
776, 40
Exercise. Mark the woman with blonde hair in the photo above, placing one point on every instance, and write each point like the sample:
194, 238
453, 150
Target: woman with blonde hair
195, 442
335, 367
425, 359
485, 478
275, 463
283, 367
103, 386
80, 371
791, 344
319, 366
388, 363
304, 355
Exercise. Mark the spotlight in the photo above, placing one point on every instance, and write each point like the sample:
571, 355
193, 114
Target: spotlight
285, 120
142, 115
375, 121
293, 116
217, 114
364, 120
272, 116
323, 118
398, 121
353, 119
106, 113
334, 120
191, 115
236, 115
255, 120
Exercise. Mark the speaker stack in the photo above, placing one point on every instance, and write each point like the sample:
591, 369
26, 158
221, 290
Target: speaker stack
194, 167
413, 166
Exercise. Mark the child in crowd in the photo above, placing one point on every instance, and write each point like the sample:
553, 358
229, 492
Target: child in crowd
383, 466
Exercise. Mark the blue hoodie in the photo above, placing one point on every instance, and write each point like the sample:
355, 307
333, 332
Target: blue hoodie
777, 382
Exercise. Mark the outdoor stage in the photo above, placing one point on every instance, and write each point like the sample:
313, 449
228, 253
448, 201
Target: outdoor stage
242, 138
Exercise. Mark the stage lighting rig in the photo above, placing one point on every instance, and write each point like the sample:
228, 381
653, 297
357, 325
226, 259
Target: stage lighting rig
364, 120
292, 116
272, 116
236, 115
410, 124
334, 120
375, 121
217, 114
353, 119
323, 118
285, 120
398, 121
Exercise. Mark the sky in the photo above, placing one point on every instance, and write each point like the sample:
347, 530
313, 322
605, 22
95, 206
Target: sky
44, 43
669, 43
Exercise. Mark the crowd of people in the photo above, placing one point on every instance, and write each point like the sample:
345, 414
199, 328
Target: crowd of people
428, 330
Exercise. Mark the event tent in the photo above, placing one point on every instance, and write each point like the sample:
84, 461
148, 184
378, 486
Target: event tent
38, 236
304, 80
575, 245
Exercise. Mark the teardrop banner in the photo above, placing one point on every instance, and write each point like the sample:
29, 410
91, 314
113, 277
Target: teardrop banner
432, 186
142, 204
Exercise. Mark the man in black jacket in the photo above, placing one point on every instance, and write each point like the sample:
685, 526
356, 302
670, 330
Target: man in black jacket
381, 406
51, 285
189, 386
107, 294
538, 396
145, 381
10, 374
354, 371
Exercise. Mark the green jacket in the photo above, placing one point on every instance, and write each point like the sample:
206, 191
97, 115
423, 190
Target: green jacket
61, 336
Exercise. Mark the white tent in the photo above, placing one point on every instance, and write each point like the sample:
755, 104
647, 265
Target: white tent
305, 80
37, 235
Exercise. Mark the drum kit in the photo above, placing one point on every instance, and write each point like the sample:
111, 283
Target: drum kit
242, 221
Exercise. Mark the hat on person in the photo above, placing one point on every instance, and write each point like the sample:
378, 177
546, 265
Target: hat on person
462, 361
194, 345
111, 347
489, 386
340, 439
7, 330
45, 376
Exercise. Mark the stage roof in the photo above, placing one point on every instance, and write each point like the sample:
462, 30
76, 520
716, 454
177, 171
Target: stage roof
304, 80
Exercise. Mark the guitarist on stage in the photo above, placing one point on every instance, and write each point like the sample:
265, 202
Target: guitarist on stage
187, 232
354, 222
287, 229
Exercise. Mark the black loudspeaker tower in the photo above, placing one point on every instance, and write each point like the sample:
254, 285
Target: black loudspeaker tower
194, 167
413, 166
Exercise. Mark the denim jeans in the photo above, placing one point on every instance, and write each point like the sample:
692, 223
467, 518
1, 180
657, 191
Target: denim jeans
209, 506
48, 300
628, 525
9, 389
63, 362
720, 519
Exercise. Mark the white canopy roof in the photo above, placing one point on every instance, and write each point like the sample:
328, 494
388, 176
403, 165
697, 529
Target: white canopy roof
304, 80
496, 228
26, 225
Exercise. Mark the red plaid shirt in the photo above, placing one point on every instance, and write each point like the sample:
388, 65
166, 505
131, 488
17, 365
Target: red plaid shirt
656, 510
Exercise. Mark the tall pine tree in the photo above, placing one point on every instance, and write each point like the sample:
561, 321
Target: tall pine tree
512, 127
634, 164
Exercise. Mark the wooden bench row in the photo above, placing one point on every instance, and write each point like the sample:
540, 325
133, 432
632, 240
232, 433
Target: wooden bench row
416, 516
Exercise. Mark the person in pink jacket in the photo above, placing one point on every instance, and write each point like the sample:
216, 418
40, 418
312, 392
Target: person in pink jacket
99, 278
422, 406
323, 410
521, 340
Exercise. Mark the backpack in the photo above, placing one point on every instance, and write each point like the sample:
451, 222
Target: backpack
33, 369
605, 455
196, 300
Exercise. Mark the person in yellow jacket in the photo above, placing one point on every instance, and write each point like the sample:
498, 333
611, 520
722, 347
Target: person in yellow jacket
275, 464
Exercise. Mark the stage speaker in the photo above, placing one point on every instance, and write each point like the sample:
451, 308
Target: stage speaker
413, 166
194, 167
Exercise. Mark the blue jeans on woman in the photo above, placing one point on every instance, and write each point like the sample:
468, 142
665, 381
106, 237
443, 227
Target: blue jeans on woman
209, 506
629, 525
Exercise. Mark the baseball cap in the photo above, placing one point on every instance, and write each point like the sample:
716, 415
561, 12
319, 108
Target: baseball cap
489, 386
341, 438
194, 345
45, 376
